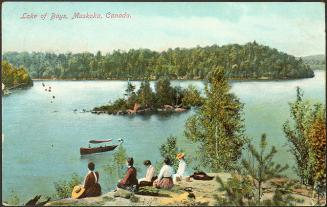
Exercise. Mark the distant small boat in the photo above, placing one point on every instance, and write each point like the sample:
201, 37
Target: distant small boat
90, 150
95, 141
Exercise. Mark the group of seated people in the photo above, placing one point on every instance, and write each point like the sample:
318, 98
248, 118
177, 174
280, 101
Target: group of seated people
165, 179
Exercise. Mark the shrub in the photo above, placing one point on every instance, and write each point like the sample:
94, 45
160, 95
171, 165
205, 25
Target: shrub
64, 187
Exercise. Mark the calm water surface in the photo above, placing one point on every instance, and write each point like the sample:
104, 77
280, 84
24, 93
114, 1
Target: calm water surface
42, 139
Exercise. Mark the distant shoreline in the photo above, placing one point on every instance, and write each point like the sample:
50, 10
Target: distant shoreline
114, 79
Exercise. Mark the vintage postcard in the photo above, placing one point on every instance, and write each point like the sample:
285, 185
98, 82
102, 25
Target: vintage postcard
163, 104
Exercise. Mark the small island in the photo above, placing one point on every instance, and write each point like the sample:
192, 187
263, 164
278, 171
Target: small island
165, 99
13, 78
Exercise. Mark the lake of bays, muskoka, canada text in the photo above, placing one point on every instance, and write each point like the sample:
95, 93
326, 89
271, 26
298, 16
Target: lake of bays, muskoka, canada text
76, 15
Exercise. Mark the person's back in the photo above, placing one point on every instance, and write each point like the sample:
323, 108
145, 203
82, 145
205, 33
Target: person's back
150, 175
129, 182
91, 185
164, 179
181, 168
131, 176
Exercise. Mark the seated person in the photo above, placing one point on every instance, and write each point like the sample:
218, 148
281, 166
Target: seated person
129, 182
181, 167
150, 175
91, 187
165, 179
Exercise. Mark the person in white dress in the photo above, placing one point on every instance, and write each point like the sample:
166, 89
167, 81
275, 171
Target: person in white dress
165, 177
150, 175
181, 171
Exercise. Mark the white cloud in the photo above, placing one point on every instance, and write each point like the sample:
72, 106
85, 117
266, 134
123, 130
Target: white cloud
298, 36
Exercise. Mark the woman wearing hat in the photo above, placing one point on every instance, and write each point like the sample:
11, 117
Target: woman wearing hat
165, 177
91, 187
150, 175
129, 182
181, 167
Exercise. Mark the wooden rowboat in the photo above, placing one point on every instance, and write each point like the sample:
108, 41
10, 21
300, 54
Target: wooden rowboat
86, 151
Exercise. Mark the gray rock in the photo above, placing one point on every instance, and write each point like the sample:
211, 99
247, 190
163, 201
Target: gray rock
122, 193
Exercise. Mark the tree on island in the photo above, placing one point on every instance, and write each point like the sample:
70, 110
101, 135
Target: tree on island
218, 126
164, 91
191, 97
145, 94
129, 90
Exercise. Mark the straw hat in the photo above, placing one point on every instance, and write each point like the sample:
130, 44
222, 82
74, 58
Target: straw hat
180, 155
78, 191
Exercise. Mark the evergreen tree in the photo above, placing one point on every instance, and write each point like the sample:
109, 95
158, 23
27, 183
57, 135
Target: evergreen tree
169, 149
263, 168
164, 91
145, 94
237, 190
129, 90
218, 126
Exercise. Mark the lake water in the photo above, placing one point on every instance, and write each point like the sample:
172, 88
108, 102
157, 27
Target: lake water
42, 139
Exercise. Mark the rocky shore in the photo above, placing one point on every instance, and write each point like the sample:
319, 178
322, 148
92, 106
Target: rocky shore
203, 193
137, 110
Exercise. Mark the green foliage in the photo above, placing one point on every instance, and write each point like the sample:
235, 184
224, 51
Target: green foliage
260, 165
218, 126
145, 94
117, 105
14, 77
250, 60
192, 97
317, 143
64, 187
164, 91
316, 62
239, 191
164, 95
13, 199
129, 90
299, 136
169, 149
116, 167
283, 196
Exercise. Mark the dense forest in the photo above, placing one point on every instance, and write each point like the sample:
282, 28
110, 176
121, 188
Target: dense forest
249, 61
14, 77
316, 62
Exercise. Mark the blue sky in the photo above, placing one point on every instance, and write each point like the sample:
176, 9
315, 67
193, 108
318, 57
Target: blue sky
295, 28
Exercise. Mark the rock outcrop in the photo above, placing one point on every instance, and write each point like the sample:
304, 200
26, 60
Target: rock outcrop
196, 192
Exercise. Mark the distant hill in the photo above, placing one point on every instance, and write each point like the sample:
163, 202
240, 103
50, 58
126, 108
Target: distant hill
316, 62
248, 61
